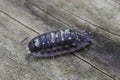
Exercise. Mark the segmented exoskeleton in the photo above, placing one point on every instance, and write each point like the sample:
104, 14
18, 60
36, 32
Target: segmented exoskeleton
58, 42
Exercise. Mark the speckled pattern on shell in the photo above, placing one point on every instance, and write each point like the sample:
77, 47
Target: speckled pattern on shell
58, 42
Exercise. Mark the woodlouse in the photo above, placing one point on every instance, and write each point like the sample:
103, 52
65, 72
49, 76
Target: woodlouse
58, 42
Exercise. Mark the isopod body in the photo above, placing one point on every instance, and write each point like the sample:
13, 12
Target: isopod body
58, 42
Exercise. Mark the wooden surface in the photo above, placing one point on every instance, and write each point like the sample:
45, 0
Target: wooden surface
28, 18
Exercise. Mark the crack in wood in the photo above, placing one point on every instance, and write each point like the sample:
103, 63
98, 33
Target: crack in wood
19, 63
19, 22
95, 67
42, 9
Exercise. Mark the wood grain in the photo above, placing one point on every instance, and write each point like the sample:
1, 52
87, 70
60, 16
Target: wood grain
28, 18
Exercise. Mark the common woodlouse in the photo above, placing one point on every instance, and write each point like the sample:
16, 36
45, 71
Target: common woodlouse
58, 42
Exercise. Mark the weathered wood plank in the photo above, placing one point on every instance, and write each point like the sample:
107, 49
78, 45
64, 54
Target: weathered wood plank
29, 17
43, 16
99, 12
104, 17
14, 66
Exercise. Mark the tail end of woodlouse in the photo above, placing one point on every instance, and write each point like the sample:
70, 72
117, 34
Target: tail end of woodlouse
29, 56
23, 44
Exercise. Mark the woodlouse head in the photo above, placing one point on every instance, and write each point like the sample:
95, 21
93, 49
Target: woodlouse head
88, 36
84, 36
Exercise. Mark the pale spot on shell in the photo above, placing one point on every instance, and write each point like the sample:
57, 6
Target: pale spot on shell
69, 38
79, 40
62, 33
36, 42
43, 43
56, 36
52, 37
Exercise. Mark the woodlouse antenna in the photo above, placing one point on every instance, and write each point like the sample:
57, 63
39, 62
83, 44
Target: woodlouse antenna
21, 42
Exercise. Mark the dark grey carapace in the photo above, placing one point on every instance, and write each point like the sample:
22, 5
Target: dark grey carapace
58, 42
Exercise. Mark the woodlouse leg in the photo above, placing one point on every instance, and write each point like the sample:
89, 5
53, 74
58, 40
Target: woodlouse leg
23, 40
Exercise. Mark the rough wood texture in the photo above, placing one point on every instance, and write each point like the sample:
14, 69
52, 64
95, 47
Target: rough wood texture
27, 18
